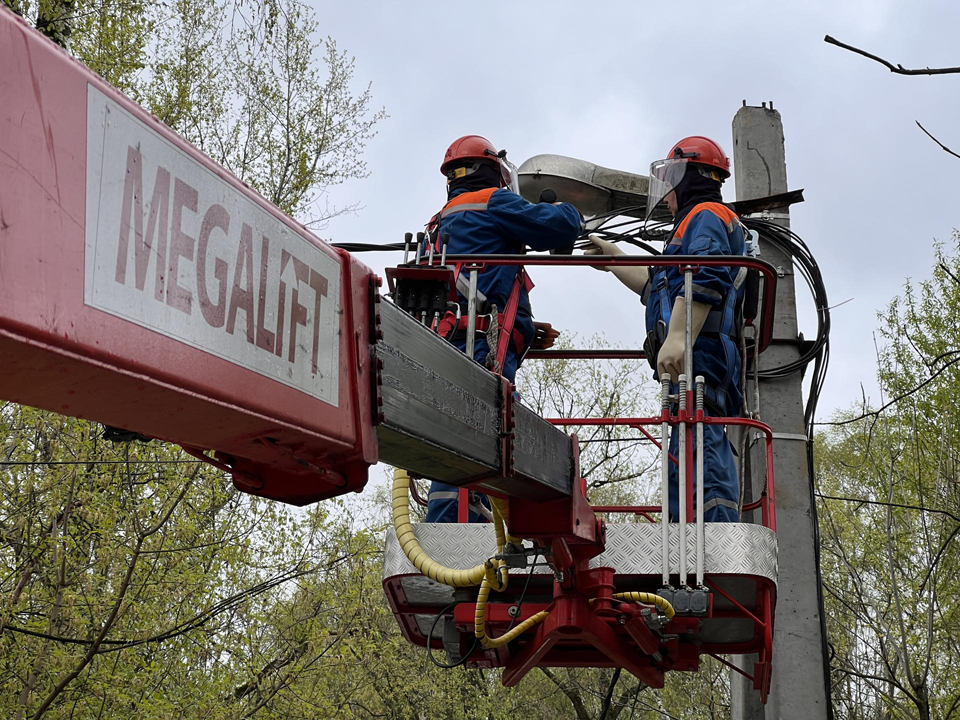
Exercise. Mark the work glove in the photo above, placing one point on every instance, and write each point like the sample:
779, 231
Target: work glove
634, 278
670, 357
545, 336
599, 246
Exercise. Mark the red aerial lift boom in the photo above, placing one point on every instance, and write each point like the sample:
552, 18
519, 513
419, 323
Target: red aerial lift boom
144, 287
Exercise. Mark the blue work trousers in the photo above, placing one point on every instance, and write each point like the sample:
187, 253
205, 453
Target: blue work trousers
442, 501
721, 486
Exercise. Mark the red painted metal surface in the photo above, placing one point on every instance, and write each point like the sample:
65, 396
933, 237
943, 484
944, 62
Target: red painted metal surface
586, 627
76, 334
682, 262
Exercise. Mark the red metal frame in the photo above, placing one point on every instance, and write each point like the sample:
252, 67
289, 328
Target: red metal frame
684, 262
62, 354
767, 500
585, 627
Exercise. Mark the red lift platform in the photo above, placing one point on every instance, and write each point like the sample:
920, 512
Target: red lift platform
721, 587
144, 287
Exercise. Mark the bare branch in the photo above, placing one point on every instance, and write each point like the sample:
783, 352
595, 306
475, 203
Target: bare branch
889, 504
942, 147
898, 69
899, 397
943, 266
572, 695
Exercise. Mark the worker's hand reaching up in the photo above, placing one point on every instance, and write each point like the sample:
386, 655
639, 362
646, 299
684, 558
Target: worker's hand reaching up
599, 246
633, 277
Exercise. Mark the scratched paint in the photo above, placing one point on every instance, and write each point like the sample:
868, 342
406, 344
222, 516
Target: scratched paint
174, 248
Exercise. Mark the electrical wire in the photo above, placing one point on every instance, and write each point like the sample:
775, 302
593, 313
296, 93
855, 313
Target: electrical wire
461, 661
523, 593
476, 640
818, 353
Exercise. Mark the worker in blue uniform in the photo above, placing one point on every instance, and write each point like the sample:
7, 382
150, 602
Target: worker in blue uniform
485, 215
689, 181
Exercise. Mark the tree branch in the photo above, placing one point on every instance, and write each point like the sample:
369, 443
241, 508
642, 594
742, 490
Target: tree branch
898, 69
574, 697
897, 399
942, 147
888, 504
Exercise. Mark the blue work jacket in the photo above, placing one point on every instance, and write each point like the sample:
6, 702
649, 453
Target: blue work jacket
497, 221
708, 229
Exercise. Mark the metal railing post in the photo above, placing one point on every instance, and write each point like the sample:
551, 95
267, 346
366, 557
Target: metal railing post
682, 480
688, 323
699, 506
665, 480
471, 314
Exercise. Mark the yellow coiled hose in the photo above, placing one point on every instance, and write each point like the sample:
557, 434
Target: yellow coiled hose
489, 575
648, 598
494, 572
479, 629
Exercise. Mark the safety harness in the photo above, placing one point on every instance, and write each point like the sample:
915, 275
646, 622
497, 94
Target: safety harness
498, 327
721, 320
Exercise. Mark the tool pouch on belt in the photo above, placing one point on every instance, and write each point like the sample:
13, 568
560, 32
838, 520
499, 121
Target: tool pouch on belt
654, 341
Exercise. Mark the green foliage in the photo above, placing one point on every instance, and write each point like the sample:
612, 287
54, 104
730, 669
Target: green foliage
620, 465
890, 564
136, 582
132, 577
250, 85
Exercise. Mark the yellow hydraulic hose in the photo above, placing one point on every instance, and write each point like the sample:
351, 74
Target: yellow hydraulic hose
649, 599
489, 575
500, 508
480, 621
494, 572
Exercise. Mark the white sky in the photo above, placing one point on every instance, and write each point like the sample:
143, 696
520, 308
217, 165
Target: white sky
616, 83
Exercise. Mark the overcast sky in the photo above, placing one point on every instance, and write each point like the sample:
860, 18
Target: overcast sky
616, 83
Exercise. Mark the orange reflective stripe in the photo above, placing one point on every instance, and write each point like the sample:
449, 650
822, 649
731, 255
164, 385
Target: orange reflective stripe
476, 200
728, 216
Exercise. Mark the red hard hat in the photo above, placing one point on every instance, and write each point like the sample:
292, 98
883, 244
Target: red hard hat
703, 151
469, 147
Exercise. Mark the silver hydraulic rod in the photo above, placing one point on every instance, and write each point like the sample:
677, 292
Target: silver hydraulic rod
471, 313
443, 246
430, 255
665, 482
688, 371
682, 482
416, 258
699, 504
688, 324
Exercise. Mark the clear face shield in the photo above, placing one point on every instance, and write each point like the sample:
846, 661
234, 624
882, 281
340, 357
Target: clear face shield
511, 178
665, 175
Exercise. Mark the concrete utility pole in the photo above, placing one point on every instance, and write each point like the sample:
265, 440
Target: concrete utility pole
798, 689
